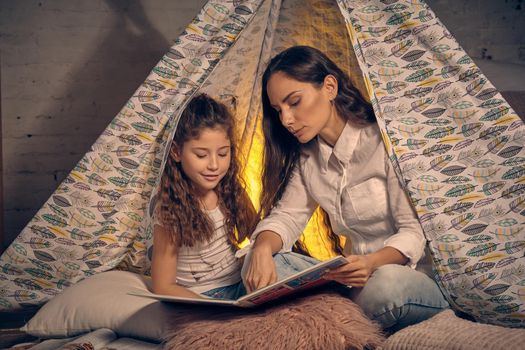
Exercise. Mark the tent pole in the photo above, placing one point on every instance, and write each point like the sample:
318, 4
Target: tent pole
2, 238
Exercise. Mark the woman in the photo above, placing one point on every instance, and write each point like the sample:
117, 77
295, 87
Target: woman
323, 148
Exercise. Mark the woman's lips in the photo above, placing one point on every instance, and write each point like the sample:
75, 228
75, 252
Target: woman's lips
298, 132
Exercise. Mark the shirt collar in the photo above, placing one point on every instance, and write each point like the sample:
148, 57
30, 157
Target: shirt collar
343, 148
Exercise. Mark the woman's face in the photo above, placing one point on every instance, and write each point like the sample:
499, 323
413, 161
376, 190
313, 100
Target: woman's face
305, 110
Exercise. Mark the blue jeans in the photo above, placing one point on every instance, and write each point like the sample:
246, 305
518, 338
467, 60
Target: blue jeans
286, 264
232, 292
395, 296
398, 296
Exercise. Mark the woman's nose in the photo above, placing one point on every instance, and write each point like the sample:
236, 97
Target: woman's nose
286, 117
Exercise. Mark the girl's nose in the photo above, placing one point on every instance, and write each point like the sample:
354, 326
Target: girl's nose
213, 164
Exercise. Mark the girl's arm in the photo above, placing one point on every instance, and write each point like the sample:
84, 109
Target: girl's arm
164, 266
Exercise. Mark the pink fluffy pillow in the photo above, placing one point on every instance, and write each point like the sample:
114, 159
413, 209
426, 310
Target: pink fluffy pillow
320, 321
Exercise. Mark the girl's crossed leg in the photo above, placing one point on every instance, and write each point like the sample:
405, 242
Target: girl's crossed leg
395, 296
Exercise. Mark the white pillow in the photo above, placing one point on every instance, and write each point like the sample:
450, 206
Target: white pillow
101, 301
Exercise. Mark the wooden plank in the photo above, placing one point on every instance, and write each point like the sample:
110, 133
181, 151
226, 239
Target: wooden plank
3, 243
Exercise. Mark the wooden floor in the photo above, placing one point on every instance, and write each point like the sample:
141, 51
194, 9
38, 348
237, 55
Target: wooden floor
9, 338
10, 323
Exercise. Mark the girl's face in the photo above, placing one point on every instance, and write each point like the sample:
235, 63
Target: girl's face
304, 109
206, 159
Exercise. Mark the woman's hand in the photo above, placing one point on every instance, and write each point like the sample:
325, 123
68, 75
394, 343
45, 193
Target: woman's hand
261, 269
356, 273
359, 268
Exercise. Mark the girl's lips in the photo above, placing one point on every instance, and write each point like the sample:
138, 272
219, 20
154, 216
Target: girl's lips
210, 177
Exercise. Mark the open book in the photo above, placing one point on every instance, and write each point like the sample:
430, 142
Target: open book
311, 277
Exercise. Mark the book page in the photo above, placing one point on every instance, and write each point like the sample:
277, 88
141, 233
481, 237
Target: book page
308, 278
172, 298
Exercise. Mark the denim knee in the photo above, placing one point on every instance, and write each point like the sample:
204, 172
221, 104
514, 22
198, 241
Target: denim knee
385, 288
289, 263
286, 264
396, 293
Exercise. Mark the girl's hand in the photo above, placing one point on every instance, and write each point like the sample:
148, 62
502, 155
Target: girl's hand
261, 269
356, 273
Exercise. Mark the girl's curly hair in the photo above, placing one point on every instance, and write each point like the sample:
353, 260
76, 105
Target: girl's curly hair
179, 208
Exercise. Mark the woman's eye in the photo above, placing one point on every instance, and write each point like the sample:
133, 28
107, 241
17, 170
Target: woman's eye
295, 103
200, 155
223, 155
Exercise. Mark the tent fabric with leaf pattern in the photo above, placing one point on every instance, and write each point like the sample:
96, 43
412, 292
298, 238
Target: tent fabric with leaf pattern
454, 141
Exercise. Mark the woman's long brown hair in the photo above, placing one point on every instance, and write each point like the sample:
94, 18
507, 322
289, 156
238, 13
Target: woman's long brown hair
179, 207
282, 150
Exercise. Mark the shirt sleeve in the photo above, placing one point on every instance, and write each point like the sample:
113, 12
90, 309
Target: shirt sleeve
291, 214
409, 238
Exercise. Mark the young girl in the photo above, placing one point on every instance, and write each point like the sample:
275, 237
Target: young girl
323, 148
203, 212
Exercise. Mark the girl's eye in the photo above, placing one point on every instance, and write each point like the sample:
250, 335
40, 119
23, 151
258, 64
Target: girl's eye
223, 155
200, 156
295, 103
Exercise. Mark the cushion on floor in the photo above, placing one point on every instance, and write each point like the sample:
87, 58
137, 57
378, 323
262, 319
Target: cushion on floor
101, 301
447, 331
318, 321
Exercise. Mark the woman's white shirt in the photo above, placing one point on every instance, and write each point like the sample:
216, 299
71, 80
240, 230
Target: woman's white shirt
355, 183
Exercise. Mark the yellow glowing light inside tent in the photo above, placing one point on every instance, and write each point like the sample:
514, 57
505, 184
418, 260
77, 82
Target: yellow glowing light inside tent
315, 235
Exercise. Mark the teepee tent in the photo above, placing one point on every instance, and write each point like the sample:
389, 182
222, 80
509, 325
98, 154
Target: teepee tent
454, 141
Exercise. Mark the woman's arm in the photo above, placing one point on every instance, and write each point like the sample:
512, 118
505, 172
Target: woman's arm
405, 246
289, 217
164, 266
409, 239
359, 268
260, 270
278, 232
